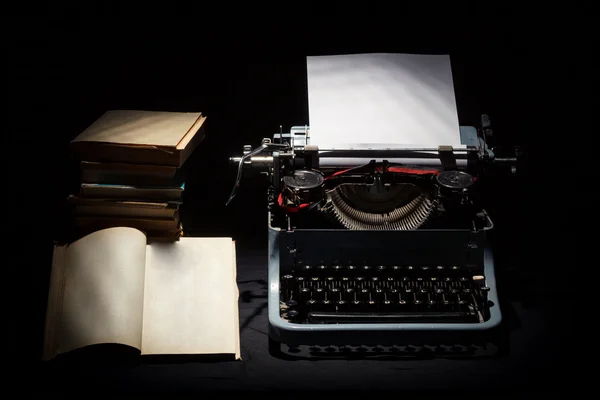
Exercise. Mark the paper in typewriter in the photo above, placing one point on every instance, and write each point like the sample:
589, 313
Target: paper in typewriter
382, 101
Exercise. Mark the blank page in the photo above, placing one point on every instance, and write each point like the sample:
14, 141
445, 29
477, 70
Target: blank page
382, 101
104, 289
137, 127
191, 298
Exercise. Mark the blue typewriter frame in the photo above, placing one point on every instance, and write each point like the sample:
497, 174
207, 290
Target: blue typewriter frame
419, 247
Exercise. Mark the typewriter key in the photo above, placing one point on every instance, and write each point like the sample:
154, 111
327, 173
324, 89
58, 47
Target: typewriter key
365, 294
305, 294
291, 303
327, 305
445, 301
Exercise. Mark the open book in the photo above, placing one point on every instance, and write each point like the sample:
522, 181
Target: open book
178, 298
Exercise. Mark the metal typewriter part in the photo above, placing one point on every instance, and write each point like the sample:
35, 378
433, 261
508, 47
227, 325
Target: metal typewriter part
367, 244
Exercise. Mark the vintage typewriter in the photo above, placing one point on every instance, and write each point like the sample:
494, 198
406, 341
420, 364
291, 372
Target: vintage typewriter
377, 245
361, 253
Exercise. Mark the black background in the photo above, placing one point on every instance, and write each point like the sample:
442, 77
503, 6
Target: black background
67, 66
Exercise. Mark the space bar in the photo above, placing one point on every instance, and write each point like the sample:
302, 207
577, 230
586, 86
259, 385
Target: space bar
362, 318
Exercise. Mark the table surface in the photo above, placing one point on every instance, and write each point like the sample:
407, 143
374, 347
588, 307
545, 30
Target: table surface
529, 362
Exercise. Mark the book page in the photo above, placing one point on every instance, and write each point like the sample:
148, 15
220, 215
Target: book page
138, 127
55, 301
104, 289
191, 298
381, 101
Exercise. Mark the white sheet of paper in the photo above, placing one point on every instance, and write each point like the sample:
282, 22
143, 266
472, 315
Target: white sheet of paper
191, 298
382, 101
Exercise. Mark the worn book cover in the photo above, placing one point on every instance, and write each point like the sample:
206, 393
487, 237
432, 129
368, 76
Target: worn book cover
140, 137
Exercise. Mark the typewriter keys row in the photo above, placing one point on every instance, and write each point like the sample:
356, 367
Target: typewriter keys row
431, 297
377, 268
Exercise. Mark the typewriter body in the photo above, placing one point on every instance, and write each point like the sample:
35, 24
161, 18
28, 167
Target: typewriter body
368, 245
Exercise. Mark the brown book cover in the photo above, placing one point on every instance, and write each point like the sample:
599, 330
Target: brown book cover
130, 174
140, 137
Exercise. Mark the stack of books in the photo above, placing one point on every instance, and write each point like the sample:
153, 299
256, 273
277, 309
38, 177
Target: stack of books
131, 171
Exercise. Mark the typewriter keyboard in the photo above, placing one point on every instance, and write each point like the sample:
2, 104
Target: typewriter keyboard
383, 294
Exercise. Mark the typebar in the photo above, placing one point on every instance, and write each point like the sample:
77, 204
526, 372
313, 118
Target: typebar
406, 317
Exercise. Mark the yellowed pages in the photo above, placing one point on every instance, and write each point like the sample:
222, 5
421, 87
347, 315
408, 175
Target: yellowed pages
55, 298
236, 307
191, 298
138, 127
104, 289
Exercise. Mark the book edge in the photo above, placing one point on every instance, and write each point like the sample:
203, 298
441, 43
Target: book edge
54, 306
191, 133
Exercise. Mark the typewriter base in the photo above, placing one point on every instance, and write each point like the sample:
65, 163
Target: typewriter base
282, 331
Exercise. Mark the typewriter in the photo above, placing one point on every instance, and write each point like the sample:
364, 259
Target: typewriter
361, 253
373, 246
